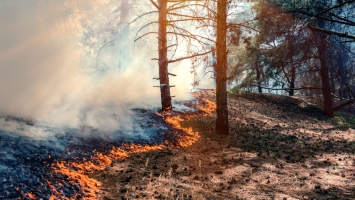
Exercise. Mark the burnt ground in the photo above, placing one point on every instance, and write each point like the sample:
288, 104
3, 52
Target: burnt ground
279, 148
26, 157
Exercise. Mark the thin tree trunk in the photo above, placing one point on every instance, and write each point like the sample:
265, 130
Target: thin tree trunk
258, 77
324, 70
332, 79
293, 79
341, 92
326, 89
222, 126
163, 60
324, 73
341, 89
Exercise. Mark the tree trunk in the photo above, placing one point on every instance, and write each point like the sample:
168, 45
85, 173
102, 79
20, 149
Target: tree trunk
326, 89
222, 126
324, 74
258, 77
293, 79
332, 79
324, 69
163, 60
341, 90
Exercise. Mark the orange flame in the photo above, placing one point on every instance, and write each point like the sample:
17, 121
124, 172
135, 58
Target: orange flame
207, 106
78, 171
30, 195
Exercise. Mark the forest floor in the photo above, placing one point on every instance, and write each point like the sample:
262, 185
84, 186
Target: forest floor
279, 147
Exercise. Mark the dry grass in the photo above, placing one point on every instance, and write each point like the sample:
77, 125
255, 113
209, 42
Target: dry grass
279, 148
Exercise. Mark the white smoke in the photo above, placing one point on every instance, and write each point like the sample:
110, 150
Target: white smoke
50, 71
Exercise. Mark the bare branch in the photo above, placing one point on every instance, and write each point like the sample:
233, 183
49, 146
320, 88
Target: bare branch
192, 37
336, 6
189, 16
140, 16
188, 57
341, 104
188, 19
342, 18
346, 35
135, 40
139, 30
200, 5
103, 46
301, 88
155, 4
171, 46
189, 33
324, 18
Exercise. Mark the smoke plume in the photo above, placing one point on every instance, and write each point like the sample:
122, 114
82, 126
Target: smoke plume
61, 64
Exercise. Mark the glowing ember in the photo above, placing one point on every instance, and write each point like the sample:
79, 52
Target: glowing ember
30, 195
55, 193
78, 171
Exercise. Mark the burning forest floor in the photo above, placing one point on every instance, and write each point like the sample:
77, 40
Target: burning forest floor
278, 148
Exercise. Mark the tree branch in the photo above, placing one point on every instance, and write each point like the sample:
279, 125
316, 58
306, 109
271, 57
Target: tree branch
192, 37
301, 88
155, 4
140, 16
188, 57
139, 30
345, 35
342, 18
341, 104
336, 6
136, 39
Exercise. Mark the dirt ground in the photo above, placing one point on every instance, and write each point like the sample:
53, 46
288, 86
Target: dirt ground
279, 147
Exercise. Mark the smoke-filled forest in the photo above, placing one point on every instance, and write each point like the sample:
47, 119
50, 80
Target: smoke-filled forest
177, 99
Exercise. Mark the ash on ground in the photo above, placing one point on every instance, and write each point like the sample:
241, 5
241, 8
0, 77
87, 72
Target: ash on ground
28, 148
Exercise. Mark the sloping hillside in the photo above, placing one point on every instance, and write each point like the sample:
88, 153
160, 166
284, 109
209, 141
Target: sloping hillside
279, 148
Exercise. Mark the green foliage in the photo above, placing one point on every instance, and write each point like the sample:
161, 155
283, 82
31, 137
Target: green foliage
234, 90
345, 121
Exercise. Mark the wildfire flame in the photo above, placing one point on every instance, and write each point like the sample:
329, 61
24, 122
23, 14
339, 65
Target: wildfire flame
78, 171
30, 195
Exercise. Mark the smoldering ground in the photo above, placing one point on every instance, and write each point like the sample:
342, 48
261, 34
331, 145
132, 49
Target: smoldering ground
60, 66
56, 93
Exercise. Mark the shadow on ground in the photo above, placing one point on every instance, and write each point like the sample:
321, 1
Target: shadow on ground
279, 148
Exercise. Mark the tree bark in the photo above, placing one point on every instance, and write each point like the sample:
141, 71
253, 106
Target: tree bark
332, 79
163, 60
258, 77
222, 126
324, 74
321, 39
293, 79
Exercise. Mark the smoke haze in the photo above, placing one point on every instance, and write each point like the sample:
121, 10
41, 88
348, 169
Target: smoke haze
50, 71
